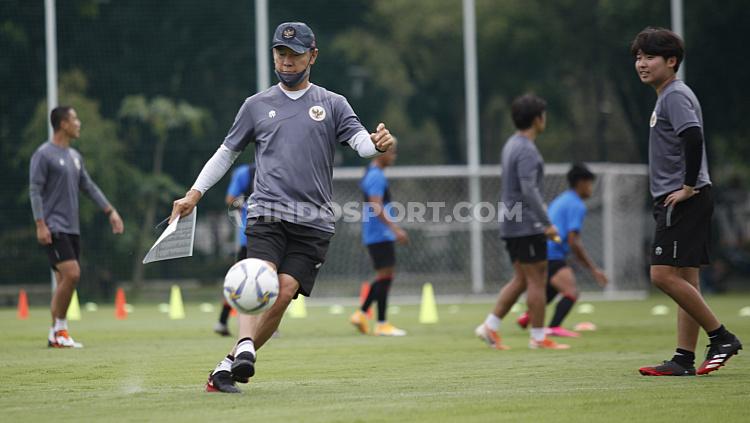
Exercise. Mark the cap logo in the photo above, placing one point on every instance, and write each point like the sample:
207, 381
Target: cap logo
288, 33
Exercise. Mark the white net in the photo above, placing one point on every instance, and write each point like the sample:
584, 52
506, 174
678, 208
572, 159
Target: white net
439, 252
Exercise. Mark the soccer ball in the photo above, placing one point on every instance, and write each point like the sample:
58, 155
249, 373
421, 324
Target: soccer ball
251, 286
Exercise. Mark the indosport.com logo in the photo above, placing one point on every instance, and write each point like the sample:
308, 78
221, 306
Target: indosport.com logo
397, 212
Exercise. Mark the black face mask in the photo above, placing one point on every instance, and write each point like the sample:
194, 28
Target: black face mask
291, 80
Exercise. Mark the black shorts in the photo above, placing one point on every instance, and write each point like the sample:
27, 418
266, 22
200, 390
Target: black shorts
383, 254
64, 247
527, 249
242, 253
554, 266
683, 232
297, 250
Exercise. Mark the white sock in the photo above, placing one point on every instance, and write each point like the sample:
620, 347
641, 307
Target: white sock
537, 334
246, 345
492, 322
224, 365
51, 336
61, 324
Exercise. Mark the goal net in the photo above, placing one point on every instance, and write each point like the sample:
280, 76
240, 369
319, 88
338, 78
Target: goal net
440, 251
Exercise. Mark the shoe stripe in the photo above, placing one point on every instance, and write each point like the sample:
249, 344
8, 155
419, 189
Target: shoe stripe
712, 365
718, 360
720, 355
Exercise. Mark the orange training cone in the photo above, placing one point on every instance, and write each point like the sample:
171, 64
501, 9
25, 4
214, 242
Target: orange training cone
120, 312
364, 291
23, 305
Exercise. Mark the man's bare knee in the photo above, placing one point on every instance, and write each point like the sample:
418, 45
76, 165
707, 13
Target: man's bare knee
287, 290
70, 271
662, 277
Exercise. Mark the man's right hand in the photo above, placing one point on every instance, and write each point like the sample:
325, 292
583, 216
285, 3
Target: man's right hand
551, 233
185, 205
43, 234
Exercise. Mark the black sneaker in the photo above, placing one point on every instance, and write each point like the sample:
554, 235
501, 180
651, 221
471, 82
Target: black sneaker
221, 381
667, 368
243, 367
718, 354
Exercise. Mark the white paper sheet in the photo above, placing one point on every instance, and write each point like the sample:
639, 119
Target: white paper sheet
176, 241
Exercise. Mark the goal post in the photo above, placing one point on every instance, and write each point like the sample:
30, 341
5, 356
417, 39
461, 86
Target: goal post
434, 203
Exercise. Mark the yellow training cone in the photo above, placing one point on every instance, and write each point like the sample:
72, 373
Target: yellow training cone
176, 310
297, 309
74, 309
428, 309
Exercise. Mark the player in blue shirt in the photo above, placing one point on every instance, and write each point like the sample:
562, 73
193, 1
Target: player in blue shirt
567, 212
379, 233
240, 188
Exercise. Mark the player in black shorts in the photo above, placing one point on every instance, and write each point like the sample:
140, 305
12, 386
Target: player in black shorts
683, 204
567, 212
296, 127
526, 235
379, 234
57, 174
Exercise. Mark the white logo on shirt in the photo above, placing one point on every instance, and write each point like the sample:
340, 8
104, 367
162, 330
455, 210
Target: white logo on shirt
317, 113
652, 123
62, 162
658, 251
272, 114
77, 163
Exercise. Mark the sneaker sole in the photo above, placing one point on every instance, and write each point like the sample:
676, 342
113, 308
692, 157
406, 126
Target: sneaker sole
213, 389
651, 372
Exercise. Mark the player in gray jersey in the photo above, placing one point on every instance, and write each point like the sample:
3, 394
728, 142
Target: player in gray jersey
296, 127
683, 204
525, 238
56, 174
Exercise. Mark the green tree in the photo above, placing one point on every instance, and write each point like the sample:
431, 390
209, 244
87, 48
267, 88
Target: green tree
151, 124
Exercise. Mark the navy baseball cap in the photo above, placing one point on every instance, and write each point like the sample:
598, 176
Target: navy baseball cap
295, 35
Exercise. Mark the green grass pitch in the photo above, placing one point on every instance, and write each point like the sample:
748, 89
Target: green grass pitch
148, 368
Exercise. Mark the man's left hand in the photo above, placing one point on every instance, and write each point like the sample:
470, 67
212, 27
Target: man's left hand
382, 138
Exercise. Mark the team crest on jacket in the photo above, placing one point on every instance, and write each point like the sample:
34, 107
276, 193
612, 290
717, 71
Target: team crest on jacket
77, 163
652, 123
317, 113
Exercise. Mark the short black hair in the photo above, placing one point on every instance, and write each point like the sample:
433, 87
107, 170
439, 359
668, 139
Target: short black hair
525, 109
579, 172
659, 42
59, 114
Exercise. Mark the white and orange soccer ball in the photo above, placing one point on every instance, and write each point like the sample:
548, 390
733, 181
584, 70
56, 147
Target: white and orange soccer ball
251, 286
